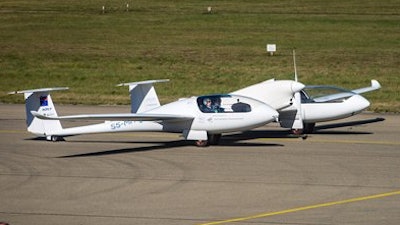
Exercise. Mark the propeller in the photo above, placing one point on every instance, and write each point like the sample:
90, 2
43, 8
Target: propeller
298, 120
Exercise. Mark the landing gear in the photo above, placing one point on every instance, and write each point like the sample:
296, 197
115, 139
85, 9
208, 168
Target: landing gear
213, 139
55, 138
201, 143
308, 128
297, 131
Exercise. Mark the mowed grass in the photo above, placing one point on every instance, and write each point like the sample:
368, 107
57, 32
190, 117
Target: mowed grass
73, 43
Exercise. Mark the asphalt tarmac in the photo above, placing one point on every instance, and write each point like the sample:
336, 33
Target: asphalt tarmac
345, 173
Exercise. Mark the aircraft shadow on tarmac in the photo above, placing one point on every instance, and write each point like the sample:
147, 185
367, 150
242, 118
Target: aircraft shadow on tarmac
256, 134
234, 140
320, 129
163, 146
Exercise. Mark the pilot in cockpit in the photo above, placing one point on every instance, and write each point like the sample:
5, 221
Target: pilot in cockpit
207, 105
212, 106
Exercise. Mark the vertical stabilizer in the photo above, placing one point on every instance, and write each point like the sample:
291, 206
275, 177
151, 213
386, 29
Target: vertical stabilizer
40, 100
143, 95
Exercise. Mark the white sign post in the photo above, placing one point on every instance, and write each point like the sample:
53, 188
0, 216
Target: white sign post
271, 49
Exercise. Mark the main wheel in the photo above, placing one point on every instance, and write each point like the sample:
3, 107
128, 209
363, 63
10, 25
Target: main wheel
308, 128
297, 131
55, 138
201, 143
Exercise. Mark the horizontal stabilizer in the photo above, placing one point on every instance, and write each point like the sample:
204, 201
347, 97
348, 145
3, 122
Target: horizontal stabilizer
39, 90
142, 82
117, 116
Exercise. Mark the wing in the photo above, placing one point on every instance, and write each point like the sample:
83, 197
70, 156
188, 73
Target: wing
375, 85
345, 94
118, 116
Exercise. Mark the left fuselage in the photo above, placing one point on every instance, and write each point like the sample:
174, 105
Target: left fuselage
232, 113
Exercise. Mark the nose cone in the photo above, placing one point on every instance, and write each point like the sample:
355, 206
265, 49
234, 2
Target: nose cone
359, 103
297, 86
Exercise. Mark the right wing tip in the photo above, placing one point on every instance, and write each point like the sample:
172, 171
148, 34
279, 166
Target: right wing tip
375, 83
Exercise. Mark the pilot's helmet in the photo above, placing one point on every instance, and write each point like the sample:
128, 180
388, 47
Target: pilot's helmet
206, 100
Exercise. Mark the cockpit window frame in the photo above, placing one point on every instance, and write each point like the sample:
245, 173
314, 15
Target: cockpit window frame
232, 104
311, 92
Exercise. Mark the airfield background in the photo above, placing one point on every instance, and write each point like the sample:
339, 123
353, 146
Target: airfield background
202, 46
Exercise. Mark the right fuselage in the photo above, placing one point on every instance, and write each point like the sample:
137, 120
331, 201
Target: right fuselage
319, 112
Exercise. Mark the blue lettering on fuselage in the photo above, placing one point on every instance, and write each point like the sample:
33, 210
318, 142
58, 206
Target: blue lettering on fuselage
120, 124
46, 109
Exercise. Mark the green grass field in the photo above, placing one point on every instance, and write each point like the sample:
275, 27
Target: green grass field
47, 43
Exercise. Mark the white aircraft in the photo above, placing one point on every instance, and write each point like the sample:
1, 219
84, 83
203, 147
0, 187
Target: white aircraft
193, 117
311, 104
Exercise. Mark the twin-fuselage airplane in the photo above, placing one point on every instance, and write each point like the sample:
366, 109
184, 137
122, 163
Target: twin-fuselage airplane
203, 118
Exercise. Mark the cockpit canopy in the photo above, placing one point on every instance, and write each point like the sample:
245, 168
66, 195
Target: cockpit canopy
224, 104
320, 93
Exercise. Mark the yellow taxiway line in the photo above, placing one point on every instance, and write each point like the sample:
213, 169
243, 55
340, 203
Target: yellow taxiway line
263, 215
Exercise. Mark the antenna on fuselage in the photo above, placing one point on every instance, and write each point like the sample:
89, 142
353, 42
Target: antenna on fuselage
294, 65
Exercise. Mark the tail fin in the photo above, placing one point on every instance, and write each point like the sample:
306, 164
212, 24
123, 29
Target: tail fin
143, 95
40, 100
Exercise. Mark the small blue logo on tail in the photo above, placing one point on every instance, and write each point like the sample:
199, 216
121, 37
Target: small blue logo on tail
44, 101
